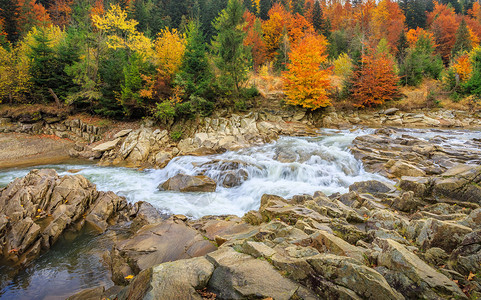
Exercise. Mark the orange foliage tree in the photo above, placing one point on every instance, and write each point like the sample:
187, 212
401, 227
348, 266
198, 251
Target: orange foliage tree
388, 22
282, 22
413, 36
339, 14
375, 81
443, 25
31, 14
98, 8
474, 23
462, 66
362, 15
305, 82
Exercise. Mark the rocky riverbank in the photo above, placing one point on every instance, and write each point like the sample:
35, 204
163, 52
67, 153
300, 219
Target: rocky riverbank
148, 145
414, 240
154, 147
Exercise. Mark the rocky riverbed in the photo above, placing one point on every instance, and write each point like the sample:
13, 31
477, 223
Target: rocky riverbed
416, 235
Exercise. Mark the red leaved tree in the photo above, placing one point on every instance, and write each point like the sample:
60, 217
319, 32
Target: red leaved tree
254, 39
375, 82
60, 12
443, 25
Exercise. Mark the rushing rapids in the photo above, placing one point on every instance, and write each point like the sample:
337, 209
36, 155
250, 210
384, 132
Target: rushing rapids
288, 167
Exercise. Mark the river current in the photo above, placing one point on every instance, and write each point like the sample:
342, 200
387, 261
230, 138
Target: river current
287, 167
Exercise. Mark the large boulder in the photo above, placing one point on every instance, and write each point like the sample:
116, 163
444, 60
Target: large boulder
37, 209
401, 168
442, 234
460, 183
240, 276
362, 282
273, 207
171, 280
329, 243
154, 244
371, 187
418, 185
466, 258
106, 146
412, 276
188, 183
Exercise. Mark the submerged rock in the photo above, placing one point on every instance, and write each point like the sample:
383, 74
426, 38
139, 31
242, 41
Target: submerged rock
188, 183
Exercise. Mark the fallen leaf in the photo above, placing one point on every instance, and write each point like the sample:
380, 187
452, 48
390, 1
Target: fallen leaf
129, 277
471, 276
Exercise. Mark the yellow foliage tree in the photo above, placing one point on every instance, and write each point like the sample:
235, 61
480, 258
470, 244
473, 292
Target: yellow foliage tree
169, 51
55, 36
343, 65
14, 76
121, 32
305, 82
462, 67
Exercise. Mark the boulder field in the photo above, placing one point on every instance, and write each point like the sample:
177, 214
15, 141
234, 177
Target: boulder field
378, 241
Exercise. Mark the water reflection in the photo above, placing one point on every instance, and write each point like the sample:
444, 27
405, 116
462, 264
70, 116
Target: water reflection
68, 267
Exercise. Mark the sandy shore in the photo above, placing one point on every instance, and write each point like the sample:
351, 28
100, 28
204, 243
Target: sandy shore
18, 149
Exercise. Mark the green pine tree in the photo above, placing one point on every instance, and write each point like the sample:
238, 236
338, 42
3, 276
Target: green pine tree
420, 62
8, 11
415, 12
231, 56
265, 6
463, 41
195, 75
402, 46
473, 86
317, 21
130, 88
48, 67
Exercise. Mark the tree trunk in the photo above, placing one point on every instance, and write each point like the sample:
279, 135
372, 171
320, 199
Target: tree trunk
55, 97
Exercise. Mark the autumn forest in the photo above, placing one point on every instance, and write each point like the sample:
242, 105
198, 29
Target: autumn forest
172, 59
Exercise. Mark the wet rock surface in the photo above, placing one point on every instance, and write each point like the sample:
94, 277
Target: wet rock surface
37, 209
350, 246
394, 155
188, 183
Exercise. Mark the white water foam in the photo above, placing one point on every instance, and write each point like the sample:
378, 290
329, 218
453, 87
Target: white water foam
287, 167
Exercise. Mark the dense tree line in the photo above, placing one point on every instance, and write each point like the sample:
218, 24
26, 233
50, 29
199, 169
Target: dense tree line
169, 58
